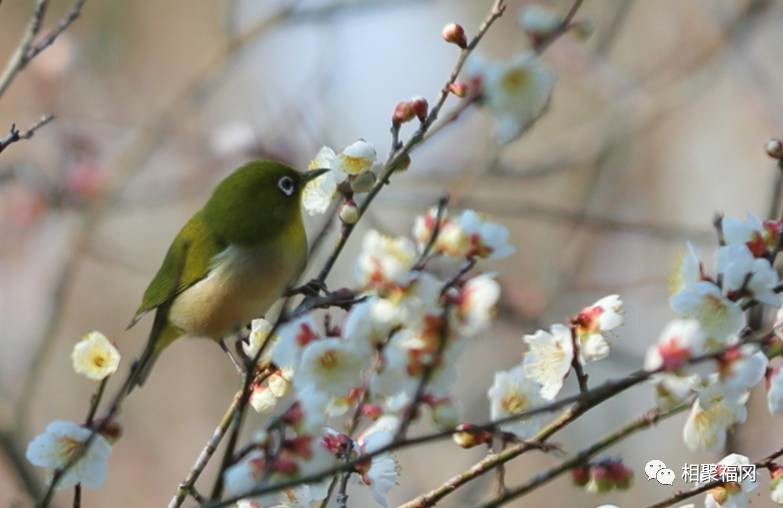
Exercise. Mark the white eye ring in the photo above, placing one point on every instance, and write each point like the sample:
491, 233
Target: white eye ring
286, 185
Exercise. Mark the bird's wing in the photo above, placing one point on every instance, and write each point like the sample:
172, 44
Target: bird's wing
187, 262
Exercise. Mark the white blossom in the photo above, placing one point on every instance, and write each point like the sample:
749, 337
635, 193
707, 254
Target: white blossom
775, 392
703, 301
319, 193
711, 416
95, 357
371, 321
688, 271
259, 333
742, 271
732, 494
385, 261
549, 358
513, 393
61, 441
356, 158
517, 91
291, 339
331, 365
476, 302
233, 138
593, 325
384, 471
680, 340
470, 235
539, 21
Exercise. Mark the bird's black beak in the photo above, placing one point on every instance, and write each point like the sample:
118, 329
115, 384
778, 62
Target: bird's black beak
313, 173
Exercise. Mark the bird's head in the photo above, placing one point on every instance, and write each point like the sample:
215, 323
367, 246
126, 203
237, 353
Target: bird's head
256, 201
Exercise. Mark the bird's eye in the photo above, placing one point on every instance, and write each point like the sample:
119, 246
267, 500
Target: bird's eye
286, 185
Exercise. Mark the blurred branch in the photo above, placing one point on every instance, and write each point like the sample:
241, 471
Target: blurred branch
15, 134
27, 48
645, 421
19, 464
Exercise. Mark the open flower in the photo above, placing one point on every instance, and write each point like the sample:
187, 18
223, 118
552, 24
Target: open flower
688, 271
680, 340
760, 237
385, 262
332, 366
476, 302
517, 92
357, 158
732, 494
424, 226
95, 357
513, 393
720, 317
471, 235
61, 441
549, 358
371, 321
712, 414
593, 324
383, 471
319, 193
259, 334
291, 339
747, 276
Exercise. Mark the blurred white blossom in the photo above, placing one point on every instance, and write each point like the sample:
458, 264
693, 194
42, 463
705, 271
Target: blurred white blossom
775, 392
385, 261
747, 275
319, 193
471, 235
517, 91
711, 416
60, 442
731, 494
259, 334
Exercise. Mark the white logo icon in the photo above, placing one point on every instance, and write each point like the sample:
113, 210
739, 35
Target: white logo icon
656, 470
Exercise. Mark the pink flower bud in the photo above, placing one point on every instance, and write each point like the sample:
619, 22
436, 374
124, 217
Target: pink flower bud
459, 89
420, 107
580, 475
468, 436
403, 112
455, 34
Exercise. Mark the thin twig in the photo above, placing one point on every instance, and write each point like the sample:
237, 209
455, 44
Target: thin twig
576, 362
645, 421
14, 134
186, 487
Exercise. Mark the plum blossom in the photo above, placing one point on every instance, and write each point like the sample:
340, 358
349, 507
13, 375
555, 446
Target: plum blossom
259, 333
680, 341
776, 485
383, 471
95, 357
539, 21
512, 393
760, 237
711, 416
775, 391
720, 317
291, 339
741, 368
357, 158
517, 91
475, 304
424, 226
56, 446
331, 365
385, 262
592, 325
689, 270
746, 275
548, 359
372, 321
470, 235
233, 138
731, 494
319, 193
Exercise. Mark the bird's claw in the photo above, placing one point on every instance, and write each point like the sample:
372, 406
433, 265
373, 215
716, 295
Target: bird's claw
313, 287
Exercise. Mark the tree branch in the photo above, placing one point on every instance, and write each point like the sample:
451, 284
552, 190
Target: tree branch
14, 134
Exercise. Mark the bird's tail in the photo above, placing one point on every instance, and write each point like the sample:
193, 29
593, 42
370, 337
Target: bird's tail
161, 335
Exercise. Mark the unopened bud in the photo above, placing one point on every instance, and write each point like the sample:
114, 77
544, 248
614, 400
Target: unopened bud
582, 29
602, 480
420, 107
403, 112
349, 213
363, 182
111, 430
403, 163
455, 34
774, 148
580, 475
459, 89
468, 436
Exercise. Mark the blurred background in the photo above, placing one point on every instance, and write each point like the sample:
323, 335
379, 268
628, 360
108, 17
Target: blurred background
657, 122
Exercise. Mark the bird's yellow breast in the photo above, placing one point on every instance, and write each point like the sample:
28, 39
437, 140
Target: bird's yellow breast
243, 282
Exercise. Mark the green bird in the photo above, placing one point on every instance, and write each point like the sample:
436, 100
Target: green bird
230, 261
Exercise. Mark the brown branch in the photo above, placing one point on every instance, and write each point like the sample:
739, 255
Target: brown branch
14, 134
645, 421
576, 362
186, 487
